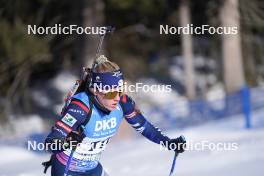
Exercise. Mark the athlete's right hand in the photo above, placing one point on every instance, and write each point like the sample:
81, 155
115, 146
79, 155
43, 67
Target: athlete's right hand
73, 139
69, 142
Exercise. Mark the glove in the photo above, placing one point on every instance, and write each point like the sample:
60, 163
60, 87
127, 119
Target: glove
73, 139
128, 105
177, 144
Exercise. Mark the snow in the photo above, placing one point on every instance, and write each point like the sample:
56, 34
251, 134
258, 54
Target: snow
41, 98
201, 78
216, 96
64, 81
141, 157
167, 99
23, 126
216, 92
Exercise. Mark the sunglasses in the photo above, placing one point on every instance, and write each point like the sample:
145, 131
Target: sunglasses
112, 95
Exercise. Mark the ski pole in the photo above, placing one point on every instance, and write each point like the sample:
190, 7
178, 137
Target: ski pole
73, 149
173, 163
109, 29
175, 156
68, 163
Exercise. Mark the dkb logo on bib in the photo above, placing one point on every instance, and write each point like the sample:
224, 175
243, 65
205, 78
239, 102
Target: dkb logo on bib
105, 124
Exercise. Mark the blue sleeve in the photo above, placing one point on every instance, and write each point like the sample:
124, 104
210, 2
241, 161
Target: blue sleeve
134, 117
71, 119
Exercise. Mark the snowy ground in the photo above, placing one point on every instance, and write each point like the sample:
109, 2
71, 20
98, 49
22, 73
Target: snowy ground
141, 157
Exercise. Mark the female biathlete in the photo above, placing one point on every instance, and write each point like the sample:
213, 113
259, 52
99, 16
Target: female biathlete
91, 118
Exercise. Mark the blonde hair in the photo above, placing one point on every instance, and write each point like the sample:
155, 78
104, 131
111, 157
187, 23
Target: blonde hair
102, 65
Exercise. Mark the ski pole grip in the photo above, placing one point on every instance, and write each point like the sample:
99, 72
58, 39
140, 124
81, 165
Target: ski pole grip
183, 138
109, 29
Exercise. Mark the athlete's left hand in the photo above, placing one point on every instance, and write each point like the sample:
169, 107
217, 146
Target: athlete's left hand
177, 144
127, 104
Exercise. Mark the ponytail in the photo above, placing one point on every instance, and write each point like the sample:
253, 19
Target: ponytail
102, 65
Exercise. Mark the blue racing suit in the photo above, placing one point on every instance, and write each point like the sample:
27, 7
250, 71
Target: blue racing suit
98, 131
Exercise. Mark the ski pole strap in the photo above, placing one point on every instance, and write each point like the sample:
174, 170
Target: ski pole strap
173, 163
